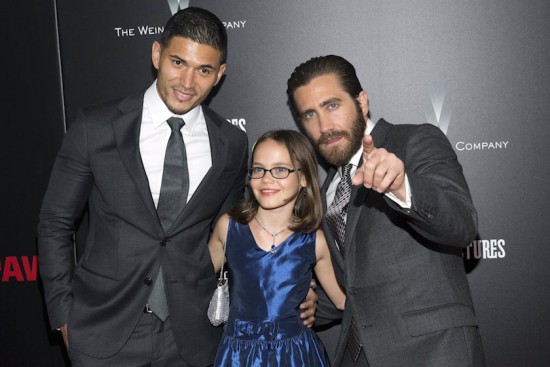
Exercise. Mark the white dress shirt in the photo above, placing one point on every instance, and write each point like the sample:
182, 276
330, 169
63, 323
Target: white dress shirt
153, 139
331, 191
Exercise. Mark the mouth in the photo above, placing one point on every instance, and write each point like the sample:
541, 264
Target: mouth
268, 192
331, 138
183, 96
332, 141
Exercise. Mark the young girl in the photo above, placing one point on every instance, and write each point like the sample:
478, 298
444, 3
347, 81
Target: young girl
273, 243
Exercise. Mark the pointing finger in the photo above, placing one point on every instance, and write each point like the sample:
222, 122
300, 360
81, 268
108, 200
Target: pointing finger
368, 145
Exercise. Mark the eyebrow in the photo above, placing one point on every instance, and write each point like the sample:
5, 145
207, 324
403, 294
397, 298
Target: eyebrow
275, 165
330, 100
322, 104
208, 66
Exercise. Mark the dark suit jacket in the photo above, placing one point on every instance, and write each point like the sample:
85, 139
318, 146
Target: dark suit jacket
102, 297
402, 270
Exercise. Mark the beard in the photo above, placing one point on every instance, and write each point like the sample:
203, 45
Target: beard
341, 155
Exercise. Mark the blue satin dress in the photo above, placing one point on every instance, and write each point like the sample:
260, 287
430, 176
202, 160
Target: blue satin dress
266, 289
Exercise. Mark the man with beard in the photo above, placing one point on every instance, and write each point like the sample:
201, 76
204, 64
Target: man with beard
396, 232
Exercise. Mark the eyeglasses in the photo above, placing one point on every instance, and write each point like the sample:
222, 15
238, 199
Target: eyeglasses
276, 172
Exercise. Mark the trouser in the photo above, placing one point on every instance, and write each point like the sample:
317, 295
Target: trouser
151, 344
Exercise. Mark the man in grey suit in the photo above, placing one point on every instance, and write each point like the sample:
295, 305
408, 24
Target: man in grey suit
113, 161
396, 230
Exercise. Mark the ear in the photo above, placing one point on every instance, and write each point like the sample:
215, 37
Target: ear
221, 71
363, 100
155, 54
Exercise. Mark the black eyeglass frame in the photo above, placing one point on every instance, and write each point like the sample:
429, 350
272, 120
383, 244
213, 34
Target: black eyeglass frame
288, 170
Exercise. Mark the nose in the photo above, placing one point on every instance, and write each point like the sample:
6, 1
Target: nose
325, 124
268, 177
187, 78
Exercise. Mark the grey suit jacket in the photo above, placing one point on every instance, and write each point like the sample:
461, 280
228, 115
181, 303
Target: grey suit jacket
102, 296
402, 270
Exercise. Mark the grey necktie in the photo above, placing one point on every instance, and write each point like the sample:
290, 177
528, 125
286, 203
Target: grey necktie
337, 211
173, 197
175, 176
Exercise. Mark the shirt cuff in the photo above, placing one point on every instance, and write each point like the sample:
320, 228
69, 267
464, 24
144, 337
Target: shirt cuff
403, 204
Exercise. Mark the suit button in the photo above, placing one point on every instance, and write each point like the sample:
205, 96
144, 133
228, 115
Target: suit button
148, 281
163, 242
352, 291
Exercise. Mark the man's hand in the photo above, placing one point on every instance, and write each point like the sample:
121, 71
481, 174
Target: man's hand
381, 170
309, 306
65, 334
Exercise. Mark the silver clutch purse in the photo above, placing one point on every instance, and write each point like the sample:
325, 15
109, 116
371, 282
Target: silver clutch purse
218, 309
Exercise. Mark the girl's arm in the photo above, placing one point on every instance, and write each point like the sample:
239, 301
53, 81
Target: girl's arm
325, 272
215, 244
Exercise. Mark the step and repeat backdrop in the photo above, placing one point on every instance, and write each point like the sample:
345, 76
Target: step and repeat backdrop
478, 69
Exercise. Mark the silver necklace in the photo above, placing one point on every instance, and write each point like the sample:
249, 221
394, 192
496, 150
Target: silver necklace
273, 247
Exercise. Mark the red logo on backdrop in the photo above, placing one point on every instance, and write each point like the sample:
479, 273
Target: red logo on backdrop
19, 268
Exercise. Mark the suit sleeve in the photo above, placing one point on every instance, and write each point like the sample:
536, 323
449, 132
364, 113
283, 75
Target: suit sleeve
326, 314
442, 210
237, 189
62, 207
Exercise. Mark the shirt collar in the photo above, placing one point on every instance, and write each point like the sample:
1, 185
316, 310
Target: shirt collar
160, 113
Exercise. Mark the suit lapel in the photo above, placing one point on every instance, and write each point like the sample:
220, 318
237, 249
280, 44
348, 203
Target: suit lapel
218, 148
358, 195
126, 130
218, 151
380, 133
